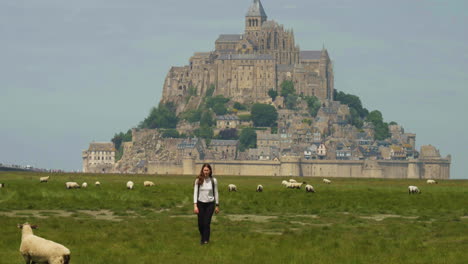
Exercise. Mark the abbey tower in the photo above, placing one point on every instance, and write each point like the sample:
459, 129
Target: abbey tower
244, 67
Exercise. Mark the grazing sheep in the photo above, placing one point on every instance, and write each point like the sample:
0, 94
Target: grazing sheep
327, 181
44, 179
98, 184
148, 183
285, 183
309, 188
431, 182
2, 185
292, 180
130, 185
259, 188
232, 188
72, 185
413, 189
295, 185
36, 249
84, 185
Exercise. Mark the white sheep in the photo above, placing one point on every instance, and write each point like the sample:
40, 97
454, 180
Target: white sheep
292, 180
2, 185
295, 185
84, 185
44, 179
98, 184
431, 182
259, 188
413, 189
327, 181
284, 182
130, 185
148, 183
309, 188
72, 185
36, 249
232, 188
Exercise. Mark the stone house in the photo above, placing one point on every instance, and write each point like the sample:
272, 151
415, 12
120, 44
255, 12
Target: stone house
99, 157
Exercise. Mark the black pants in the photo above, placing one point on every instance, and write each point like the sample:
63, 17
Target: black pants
205, 212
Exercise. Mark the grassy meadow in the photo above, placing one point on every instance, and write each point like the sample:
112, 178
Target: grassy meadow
349, 221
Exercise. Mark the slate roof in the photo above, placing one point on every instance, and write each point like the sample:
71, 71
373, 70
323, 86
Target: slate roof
256, 10
229, 38
310, 54
101, 146
220, 142
245, 57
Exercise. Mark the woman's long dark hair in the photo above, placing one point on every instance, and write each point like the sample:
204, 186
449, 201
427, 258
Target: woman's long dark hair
201, 175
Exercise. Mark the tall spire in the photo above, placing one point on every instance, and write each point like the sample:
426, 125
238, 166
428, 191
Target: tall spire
256, 10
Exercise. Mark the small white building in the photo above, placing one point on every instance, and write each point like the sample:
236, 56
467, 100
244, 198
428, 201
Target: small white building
99, 157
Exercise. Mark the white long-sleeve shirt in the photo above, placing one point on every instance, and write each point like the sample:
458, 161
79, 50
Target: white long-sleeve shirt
206, 191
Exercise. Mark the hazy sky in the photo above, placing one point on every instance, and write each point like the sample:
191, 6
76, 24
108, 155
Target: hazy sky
73, 72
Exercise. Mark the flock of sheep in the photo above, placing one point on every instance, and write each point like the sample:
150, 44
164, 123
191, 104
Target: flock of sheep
35, 249
292, 184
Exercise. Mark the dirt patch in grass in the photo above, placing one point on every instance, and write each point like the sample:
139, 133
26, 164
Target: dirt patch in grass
253, 218
380, 217
99, 214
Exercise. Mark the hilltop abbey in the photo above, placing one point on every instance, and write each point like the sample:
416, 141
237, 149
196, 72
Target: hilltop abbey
244, 67
313, 135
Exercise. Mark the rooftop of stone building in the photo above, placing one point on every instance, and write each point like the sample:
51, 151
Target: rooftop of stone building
256, 10
310, 54
223, 142
227, 117
101, 146
229, 37
429, 151
246, 57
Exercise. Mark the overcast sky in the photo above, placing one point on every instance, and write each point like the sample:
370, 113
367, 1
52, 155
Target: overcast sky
73, 72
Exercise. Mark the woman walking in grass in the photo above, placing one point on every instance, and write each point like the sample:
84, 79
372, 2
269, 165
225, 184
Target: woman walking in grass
205, 201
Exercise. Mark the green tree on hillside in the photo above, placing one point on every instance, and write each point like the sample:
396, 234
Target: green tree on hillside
162, 116
273, 94
287, 87
381, 128
264, 115
313, 105
247, 139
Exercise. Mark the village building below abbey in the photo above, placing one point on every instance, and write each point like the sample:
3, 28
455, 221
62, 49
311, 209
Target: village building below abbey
245, 68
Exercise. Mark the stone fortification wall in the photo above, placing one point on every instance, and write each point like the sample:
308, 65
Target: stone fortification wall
293, 166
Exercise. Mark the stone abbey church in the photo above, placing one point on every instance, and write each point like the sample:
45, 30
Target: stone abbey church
244, 67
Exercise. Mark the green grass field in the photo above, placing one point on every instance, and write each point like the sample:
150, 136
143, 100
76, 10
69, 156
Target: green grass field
348, 221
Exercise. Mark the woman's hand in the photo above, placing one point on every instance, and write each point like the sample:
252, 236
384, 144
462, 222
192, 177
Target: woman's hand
195, 209
217, 209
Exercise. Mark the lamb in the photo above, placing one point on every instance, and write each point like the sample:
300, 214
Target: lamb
327, 181
44, 179
431, 182
2, 185
130, 185
413, 189
259, 188
148, 183
309, 188
84, 185
36, 249
98, 184
232, 188
72, 185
